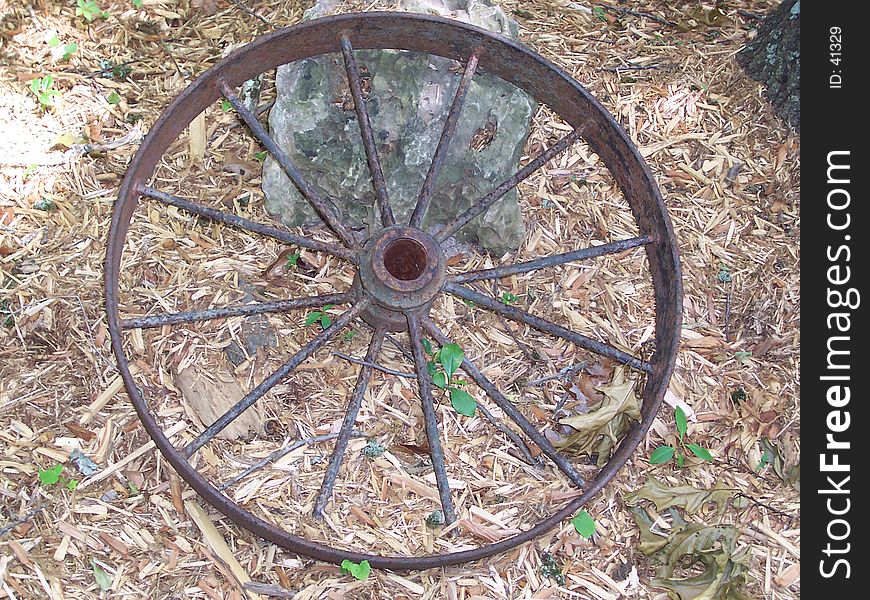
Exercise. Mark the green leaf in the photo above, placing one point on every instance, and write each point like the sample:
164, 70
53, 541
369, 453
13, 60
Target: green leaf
584, 524
348, 335
50, 476
54, 42
661, 455
261, 156
72, 484
427, 347
137, 3
225, 105
113, 98
463, 402
102, 578
69, 50
293, 259
325, 321
699, 451
359, 571
431, 368
451, 356
440, 380
312, 317
682, 423
681, 460
508, 298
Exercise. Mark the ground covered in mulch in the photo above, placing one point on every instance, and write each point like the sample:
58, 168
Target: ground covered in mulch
88, 509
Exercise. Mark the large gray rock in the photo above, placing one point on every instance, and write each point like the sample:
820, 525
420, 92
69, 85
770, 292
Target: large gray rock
410, 95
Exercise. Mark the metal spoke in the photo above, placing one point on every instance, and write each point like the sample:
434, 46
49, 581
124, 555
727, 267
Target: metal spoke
240, 310
320, 207
248, 225
510, 410
270, 382
365, 128
552, 261
353, 408
424, 384
428, 187
515, 314
483, 203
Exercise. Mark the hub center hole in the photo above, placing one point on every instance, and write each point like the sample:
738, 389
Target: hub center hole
405, 259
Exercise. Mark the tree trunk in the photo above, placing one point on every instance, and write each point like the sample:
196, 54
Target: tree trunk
773, 58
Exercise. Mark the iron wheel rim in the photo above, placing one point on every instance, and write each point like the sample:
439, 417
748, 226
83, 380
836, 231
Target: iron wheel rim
499, 56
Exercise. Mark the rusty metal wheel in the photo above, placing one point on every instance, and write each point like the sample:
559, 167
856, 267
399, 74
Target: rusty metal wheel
400, 270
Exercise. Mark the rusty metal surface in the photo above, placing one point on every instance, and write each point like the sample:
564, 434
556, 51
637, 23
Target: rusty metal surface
400, 269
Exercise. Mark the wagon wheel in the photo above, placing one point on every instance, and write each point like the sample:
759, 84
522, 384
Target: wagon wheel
400, 270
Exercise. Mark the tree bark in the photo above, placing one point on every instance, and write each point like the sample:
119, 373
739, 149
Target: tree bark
773, 58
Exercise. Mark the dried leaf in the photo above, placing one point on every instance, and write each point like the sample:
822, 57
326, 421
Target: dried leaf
649, 541
600, 429
688, 544
714, 548
687, 497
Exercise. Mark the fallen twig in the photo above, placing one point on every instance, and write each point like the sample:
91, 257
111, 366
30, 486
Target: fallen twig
359, 361
281, 452
563, 374
254, 14
21, 519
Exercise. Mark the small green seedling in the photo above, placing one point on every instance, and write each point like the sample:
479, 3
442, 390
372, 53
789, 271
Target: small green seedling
766, 459
137, 3
584, 524
348, 335
373, 449
46, 204
113, 98
261, 156
742, 356
359, 570
42, 89
119, 71
61, 51
54, 476
293, 259
90, 11
507, 298
441, 368
551, 568
663, 454
320, 316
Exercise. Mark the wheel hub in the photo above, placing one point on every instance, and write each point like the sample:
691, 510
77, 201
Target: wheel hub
402, 269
